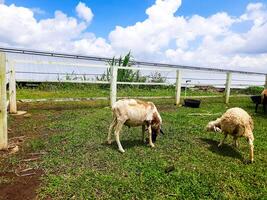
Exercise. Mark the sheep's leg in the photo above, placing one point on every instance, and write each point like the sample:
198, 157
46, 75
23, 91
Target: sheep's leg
111, 127
251, 155
235, 142
117, 135
150, 136
222, 141
143, 133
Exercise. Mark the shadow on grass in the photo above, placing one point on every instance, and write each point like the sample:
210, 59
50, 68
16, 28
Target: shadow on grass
126, 144
224, 150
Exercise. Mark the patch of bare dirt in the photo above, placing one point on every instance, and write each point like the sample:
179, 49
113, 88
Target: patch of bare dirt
18, 180
20, 187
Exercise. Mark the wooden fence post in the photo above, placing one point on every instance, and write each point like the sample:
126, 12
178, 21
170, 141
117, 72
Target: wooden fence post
178, 87
265, 85
113, 84
228, 86
12, 90
3, 103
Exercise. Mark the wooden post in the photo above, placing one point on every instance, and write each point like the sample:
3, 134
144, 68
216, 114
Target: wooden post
12, 90
228, 86
265, 85
3, 103
178, 87
113, 84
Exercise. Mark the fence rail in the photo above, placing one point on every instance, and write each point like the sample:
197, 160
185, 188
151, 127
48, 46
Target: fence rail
92, 58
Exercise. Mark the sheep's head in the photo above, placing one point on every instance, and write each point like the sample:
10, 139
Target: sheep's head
155, 133
213, 126
156, 126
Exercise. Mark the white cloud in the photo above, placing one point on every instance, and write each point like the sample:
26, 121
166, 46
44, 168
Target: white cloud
61, 33
84, 12
151, 35
97, 46
163, 36
38, 11
196, 40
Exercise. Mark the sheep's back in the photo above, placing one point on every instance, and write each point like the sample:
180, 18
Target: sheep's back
236, 121
134, 111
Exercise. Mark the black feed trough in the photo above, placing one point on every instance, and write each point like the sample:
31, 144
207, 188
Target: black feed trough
193, 103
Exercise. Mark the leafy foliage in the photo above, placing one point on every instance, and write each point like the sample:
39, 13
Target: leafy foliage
124, 75
156, 77
254, 90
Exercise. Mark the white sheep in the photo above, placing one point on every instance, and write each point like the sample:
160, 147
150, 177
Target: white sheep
236, 122
133, 113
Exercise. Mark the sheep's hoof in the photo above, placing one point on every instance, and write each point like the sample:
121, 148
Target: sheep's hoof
219, 145
122, 150
248, 161
109, 141
152, 145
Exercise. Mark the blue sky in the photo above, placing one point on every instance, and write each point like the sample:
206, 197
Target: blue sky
222, 33
109, 13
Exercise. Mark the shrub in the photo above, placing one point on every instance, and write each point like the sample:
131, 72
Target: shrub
255, 90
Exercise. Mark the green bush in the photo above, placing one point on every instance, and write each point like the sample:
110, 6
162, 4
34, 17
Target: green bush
255, 90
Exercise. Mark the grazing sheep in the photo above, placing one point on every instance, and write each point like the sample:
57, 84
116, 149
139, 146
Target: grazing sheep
235, 122
133, 113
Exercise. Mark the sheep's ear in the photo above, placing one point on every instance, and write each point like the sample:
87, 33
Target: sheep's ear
162, 132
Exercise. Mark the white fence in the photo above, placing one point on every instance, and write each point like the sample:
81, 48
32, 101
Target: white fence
3, 103
12, 68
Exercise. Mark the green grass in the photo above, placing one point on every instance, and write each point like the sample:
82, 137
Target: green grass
51, 91
71, 90
80, 165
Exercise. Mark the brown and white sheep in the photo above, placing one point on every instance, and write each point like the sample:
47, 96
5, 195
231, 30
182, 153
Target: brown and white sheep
264, 94
236, 122
133, 113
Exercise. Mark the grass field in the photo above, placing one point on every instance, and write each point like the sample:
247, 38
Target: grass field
185, 164
70, 90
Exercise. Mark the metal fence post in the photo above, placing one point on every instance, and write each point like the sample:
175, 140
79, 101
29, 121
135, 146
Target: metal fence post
228, 86
113, 84
178, 87
12, 90
3, 103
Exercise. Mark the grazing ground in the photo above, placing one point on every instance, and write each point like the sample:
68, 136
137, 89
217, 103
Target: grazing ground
65, 145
